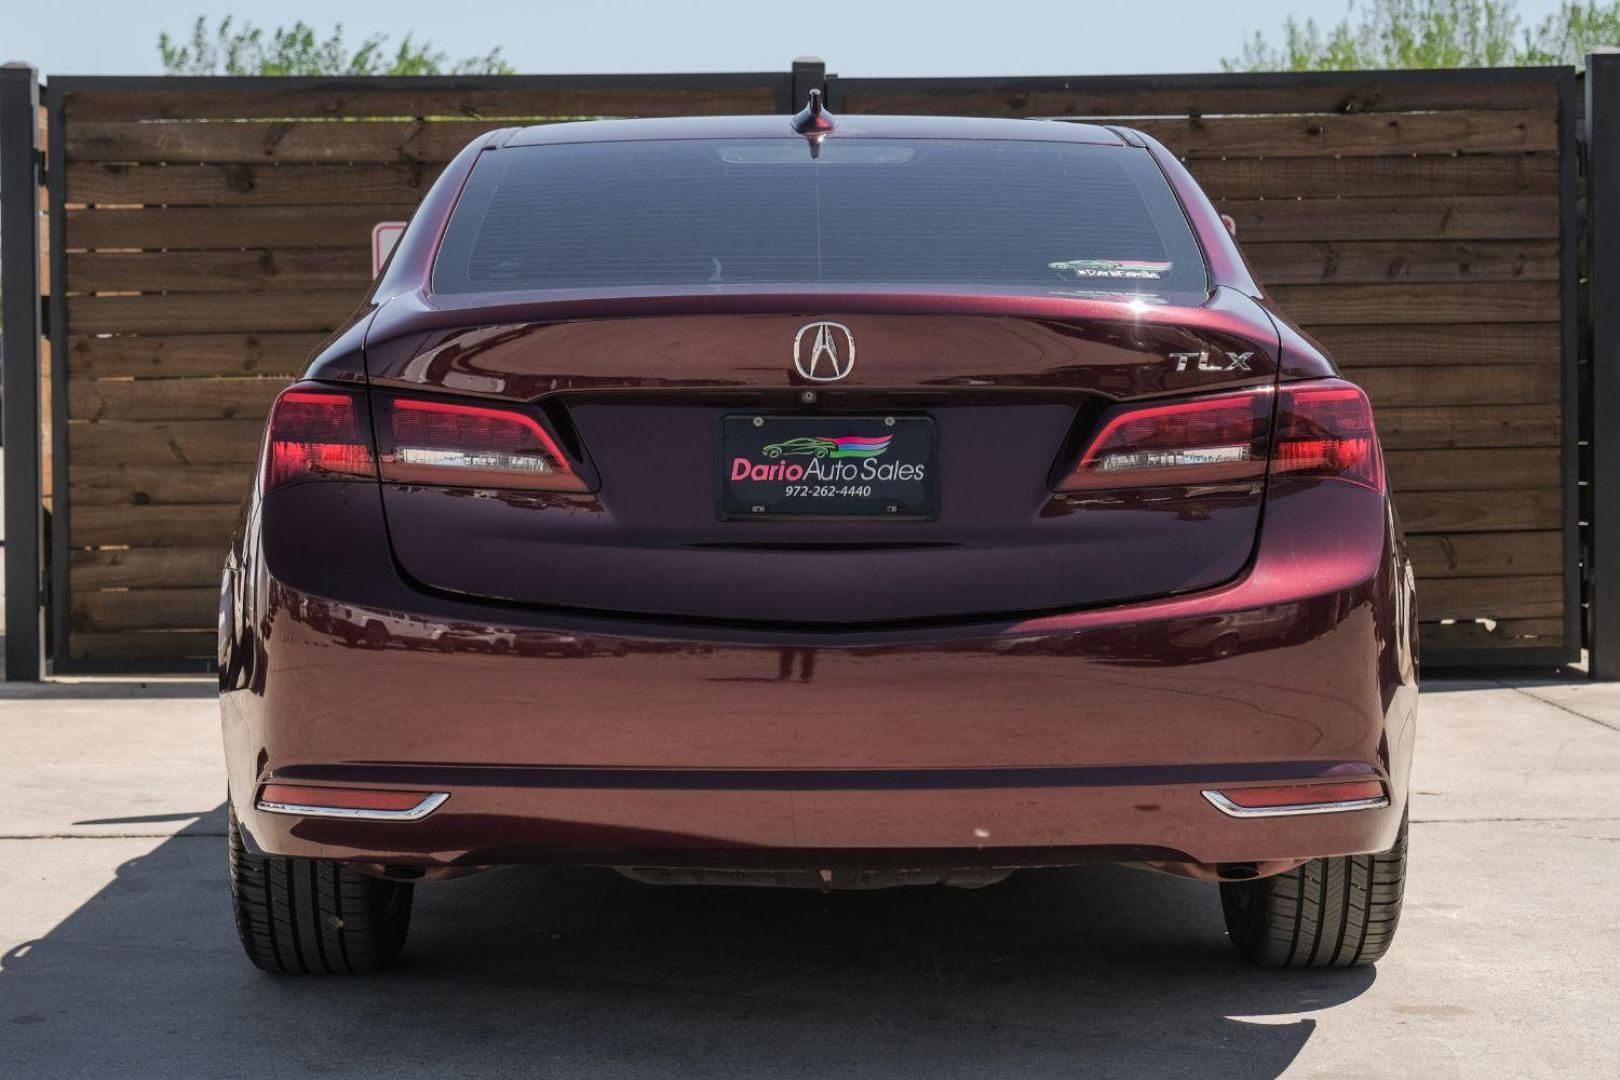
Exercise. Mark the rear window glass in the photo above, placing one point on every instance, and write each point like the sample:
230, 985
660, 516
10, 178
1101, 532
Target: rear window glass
925, 212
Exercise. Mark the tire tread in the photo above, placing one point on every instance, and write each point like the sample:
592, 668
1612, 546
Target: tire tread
1340, 911
314, 916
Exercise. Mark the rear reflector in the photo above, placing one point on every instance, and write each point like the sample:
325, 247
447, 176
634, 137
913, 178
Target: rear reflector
1324, 428
315, 435
367, 803
442, 442
1286, 799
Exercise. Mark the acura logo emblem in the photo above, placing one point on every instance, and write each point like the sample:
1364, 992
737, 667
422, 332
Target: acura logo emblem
826, 355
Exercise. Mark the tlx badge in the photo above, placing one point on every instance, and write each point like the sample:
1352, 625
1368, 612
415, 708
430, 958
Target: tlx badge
1202, 361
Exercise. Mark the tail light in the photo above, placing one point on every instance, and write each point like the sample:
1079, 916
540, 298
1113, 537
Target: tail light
1324, 428
316, 434
442, 442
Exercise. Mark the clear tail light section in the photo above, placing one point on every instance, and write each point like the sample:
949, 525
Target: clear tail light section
316, 434
1198, 441
459, 445
1324, 428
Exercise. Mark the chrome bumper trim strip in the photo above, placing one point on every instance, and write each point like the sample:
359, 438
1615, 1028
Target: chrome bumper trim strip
1232, 809
421, 810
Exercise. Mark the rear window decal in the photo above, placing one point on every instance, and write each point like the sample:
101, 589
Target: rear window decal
1113, 268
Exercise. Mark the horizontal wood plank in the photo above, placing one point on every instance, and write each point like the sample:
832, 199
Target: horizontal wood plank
1532, 509
292, 141
1501, 634
143, 485
1474, 470
1359, 305
1356, 134
1498, 384
1415, 343
319, 311
173, 399
1361, 177
246, 184
1461, 426
1526, 597
196, 227
438, 140
1468, 217
196, 525
180, 442
144, 609
147, 568
1124, 96
566, 96
1278, 264
135, 646
1487, 554
1356, 262
1459, 217
346, 270
190, 355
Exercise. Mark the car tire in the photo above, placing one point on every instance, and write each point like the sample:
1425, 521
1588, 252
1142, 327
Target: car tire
314, 916
1334, 912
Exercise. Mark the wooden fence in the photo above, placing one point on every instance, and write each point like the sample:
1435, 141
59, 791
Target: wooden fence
211, 232
1421, 227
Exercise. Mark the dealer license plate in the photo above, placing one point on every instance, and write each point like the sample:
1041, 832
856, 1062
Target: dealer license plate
828, 467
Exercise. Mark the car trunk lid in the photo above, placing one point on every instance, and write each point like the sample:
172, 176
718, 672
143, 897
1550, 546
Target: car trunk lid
638, 389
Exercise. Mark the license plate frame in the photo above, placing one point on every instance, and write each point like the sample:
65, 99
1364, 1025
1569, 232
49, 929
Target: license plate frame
828, 467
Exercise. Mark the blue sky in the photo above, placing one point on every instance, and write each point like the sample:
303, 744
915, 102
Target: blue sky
857, 37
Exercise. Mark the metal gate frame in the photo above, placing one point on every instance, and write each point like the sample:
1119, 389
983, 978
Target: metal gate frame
30, 605
21, 174
1601, 347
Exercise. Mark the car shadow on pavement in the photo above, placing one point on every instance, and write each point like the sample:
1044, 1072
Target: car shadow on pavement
572, 972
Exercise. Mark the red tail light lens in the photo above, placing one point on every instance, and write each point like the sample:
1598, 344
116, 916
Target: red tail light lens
1325, 428
316, 435
441, 442
1201, 441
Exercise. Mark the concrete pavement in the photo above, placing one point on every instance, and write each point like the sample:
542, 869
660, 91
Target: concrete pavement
118, 959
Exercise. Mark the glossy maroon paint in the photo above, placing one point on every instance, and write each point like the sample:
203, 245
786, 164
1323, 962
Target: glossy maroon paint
653, 704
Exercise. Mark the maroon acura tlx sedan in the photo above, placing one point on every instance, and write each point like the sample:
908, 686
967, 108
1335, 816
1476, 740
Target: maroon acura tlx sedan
838, 503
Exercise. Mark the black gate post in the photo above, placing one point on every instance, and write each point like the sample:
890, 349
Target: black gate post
1603, 270
20, 174
809, 73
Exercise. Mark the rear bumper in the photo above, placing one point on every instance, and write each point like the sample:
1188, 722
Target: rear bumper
1048, 741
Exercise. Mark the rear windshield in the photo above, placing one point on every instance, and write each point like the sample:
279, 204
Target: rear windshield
1061, 217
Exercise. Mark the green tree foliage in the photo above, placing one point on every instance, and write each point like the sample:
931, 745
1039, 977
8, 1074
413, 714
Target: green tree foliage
1575, 30
1434, 34
230, 49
